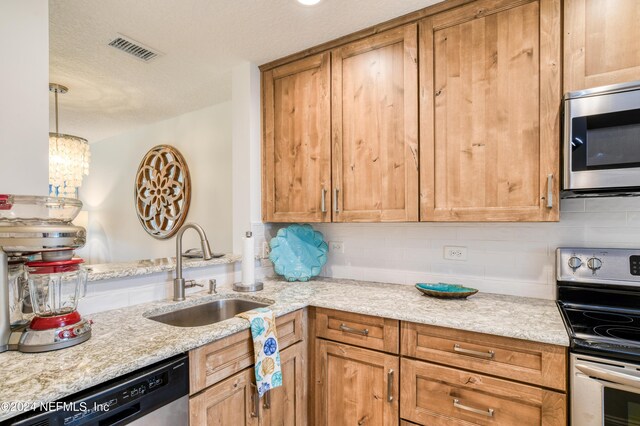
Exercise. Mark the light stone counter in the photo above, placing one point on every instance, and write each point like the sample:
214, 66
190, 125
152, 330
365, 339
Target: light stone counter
108, 271
124, 340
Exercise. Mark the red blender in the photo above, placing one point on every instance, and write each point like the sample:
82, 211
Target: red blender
55, 288
36, 227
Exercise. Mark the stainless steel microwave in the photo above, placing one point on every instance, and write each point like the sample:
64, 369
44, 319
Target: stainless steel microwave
602, 141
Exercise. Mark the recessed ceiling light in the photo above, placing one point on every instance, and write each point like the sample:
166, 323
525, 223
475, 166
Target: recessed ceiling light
309, 2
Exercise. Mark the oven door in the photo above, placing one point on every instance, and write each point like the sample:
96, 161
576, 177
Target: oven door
604, 392
602, 142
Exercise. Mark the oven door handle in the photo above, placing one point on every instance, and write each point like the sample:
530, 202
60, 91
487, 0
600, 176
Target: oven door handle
611, 375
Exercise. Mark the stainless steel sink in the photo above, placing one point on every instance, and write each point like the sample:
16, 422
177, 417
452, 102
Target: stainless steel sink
207, 313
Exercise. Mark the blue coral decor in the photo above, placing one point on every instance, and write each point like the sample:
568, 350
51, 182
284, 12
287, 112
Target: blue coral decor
298, 252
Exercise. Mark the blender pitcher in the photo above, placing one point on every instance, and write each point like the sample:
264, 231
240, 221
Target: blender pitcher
56, 287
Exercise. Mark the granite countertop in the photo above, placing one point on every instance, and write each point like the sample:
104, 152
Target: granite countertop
124, 340
108, 271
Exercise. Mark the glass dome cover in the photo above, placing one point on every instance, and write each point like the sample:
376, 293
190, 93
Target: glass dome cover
34, 210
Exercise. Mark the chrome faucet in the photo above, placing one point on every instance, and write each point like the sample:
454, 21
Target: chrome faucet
178, 282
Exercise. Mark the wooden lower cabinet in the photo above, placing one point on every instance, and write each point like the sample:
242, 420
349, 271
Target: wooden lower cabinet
355, 386
230, 402
438, 395
235, 401
287, 405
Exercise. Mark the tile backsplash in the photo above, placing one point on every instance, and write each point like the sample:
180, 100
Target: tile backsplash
509, 258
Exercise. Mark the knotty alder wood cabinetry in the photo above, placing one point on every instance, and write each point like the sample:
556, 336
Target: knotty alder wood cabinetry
355, 386
438, 395
446, 376
489, 90
296, 168
222, 381
235, 401
375, 128
601, 43
489, 112
481, 383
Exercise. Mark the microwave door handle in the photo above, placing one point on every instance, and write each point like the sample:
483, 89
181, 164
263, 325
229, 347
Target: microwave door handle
610, 375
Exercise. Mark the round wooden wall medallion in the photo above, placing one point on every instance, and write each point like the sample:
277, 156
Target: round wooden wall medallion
162, 191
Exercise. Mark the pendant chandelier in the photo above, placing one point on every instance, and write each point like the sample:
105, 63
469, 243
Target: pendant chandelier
69, 157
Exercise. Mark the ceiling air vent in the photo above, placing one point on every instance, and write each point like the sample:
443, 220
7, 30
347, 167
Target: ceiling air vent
134, 48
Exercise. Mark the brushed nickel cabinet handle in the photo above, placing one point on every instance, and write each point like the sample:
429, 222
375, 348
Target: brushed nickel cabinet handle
323, 204
460, 350
390, 386
336, 191
344, 327
267, 400
363, 420
488, 412
255, 401
550, 191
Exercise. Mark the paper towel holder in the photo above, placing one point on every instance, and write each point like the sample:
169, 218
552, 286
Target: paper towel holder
247, 288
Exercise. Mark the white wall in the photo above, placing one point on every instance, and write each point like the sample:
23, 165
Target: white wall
246, 151
24, 102
204, 139
510, 258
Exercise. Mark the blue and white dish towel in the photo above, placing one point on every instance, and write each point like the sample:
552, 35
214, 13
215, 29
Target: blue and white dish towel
265, 348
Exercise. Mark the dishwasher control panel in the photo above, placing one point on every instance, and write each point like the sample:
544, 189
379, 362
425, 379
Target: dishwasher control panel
118, 401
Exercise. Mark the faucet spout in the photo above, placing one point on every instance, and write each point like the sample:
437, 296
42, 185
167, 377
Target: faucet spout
178, 282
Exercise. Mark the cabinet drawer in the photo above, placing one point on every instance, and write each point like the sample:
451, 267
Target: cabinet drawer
359, 330
218, 360
438, 395
531, 362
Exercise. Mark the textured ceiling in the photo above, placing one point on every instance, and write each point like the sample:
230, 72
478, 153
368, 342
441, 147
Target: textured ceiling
201, 41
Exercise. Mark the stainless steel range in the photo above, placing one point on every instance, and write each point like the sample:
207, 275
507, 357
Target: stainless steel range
598, 293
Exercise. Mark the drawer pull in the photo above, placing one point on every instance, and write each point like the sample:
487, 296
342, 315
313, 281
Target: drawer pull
363, 420
390, 386
255, 401
344, 327
487, 355
488, 412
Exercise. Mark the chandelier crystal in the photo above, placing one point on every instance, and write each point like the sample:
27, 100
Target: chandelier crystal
69, 157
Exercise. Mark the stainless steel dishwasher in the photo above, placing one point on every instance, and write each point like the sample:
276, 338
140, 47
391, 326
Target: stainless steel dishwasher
154, 395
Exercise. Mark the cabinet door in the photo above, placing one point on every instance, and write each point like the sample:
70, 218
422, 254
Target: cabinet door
490, 106
296, 180
601, 43
286, 405
375, 128
355, 386
233, 401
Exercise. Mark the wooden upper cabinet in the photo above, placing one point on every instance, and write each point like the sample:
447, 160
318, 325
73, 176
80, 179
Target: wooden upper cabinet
296, 169
601, 43
490, 104
375, 128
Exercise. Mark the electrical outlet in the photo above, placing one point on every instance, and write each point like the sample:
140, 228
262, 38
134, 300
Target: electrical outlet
266, 249
336, 246
455, 253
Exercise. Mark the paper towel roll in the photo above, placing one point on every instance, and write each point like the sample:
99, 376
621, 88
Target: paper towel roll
248, 260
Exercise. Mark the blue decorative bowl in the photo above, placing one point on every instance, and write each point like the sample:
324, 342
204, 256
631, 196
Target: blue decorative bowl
298, 252
446, 291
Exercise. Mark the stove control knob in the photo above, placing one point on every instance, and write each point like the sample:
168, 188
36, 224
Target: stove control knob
594, 264
575, 263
